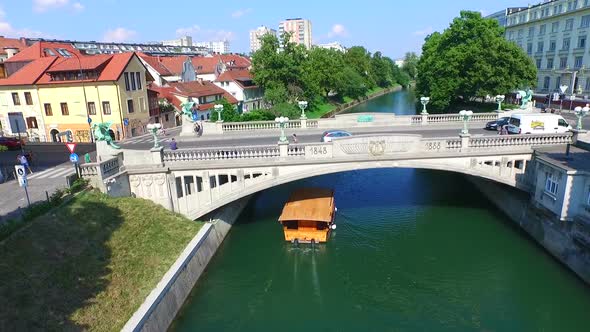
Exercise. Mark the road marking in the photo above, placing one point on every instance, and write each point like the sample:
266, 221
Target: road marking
62, 173
50, 173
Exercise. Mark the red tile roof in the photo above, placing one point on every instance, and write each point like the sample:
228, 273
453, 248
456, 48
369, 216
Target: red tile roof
42, 49
84, 63
11, 43
194, 89
30, 73
172, 65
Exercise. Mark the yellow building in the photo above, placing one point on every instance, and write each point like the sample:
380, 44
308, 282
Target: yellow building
71, 91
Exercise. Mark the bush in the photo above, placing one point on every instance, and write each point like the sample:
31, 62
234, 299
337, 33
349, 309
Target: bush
78, 185
3, 148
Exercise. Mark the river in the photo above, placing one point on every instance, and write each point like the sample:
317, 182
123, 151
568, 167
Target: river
415, 250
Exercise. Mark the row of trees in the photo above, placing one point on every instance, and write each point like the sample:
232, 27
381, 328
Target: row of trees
471, 59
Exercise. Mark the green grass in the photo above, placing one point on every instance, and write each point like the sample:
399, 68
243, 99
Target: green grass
89, 264
328, 106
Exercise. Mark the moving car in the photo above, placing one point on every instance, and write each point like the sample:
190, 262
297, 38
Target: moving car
329, 135
537, 123
10, 142
494, 125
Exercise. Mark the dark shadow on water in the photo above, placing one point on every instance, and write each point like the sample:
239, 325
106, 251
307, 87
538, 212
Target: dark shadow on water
55, 267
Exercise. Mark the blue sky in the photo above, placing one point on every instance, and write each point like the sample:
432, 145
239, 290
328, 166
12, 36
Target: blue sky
389, 26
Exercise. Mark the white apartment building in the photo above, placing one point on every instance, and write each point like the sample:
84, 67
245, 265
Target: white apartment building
555, 35
221, 47
300, 30
256, 34
184, 41
335, 46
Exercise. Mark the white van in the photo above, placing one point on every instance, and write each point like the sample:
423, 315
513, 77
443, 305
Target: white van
537, 123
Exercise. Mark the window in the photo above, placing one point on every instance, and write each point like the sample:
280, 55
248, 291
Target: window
142, 104
48, 111
28, 98
587, 84
540, 46
126, 81
552, 46
130, 106
538, 63
562, 63
569, 24
138, 78
557, 82
546, 82
554, 27
531, 32
551, 184
529, 48
550, 63
520, 32
578, 62
64, 109
91, 108
562, 123
585, 21
15, 98
566, 44
132, 79
582, 42
166, 115
511, 34
106, 108
32, 122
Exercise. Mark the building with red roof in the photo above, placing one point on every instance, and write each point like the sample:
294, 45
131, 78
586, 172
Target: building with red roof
59, 92
239, 84
8, 48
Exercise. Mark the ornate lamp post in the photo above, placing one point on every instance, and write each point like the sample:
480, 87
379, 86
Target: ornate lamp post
154, 127
282, 122
499, 100
302, 105
218, 109
424, 101
465, 116
581, 112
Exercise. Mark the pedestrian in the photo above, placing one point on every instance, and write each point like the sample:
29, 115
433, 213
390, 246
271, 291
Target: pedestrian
201, 128
294, 138
504, 130
173, 144
22, 159
87, 158
197, 128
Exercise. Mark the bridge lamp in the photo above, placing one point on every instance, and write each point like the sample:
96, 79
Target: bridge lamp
218, 108
581, 112
424, 101
154, 127
302, 105
465, 116
282, 122
499, 100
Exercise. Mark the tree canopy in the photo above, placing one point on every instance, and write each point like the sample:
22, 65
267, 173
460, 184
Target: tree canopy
410, 65
470, 59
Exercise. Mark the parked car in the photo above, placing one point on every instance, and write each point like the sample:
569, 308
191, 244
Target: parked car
493, 125
11, 142
537, 123
329, 135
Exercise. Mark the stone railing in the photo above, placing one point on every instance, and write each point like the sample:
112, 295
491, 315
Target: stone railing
241, 152
520, 140
97, 172
312, 123
259, 125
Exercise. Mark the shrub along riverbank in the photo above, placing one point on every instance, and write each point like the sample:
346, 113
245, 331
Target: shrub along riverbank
89, 264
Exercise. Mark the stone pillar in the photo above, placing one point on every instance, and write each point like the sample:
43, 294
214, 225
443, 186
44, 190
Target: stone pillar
157, 156
284, 149
425, 119
207, 186
579, 135
188, 128
464, 141
241, 181
105, 151
303, 123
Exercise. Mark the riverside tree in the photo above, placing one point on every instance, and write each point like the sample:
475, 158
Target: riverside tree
471, 59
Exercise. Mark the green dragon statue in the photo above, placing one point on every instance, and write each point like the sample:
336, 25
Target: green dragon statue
101, 133
526, 97
187, 108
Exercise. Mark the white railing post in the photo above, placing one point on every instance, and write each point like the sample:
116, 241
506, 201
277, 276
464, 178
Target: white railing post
283, 149
157, 155
425, 119
464, 141
303, 123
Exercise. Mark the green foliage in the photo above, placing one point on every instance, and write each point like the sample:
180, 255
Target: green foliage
471, 59
229, 113
258, 115
410, 65
3, 148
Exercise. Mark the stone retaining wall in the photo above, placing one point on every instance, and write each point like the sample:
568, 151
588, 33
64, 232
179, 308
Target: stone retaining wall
343, 107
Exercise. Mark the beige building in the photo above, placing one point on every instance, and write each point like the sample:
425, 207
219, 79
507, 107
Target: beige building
555, 35
300, 30
256, 34
184, 41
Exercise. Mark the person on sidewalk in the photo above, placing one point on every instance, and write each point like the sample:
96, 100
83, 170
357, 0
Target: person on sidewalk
22, 159
87, 158
294, 138
173, 144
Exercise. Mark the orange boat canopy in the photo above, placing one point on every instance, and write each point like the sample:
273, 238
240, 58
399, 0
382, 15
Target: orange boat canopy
313, 204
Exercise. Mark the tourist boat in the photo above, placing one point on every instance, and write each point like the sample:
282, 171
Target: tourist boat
308, 215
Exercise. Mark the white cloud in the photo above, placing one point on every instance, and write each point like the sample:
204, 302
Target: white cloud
204, 35
119, 35
337, 30
41, 6
6, 29
424, 32
241, 12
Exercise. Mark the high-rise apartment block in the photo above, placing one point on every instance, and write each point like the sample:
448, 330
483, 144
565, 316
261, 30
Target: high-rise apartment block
255, 36
555, 35
221, 47
184, 41
300, 30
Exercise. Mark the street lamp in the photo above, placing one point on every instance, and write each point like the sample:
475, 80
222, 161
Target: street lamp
302, 106
154, 127
85, 101
563, 89
465, 116
218, 109
424, 101
581, 112
499, 100
282, 122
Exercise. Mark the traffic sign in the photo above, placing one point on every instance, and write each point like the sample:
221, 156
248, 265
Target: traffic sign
89, 120
71, 147
74, 158
21, 174
126, 121
555, 96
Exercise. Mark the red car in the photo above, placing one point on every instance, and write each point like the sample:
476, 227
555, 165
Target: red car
11, 142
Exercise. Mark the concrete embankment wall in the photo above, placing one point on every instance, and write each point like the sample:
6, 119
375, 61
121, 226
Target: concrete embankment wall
551, 233
162, 305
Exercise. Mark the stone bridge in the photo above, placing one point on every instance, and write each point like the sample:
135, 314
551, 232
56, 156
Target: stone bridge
197, 181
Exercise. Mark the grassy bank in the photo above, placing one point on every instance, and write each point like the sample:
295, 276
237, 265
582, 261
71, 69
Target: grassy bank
89, 264
331, 105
